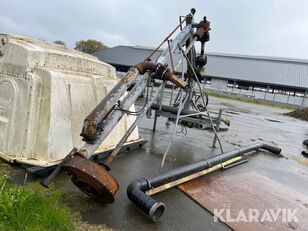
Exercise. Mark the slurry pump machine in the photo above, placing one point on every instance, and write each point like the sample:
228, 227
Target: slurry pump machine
189, 109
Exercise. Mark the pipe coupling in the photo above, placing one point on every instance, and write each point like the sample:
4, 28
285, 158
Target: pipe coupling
202, 31
145, 66
164, 73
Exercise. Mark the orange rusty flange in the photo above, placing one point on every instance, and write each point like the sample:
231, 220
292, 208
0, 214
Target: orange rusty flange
92, 179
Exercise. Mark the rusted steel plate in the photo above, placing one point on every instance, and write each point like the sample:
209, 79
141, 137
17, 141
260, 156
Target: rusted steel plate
92, 179
238, 196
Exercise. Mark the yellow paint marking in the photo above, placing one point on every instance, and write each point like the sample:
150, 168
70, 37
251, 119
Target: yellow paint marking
193, 176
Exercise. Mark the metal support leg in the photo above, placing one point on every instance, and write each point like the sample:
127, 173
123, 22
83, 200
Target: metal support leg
171, 98
155, 120
136, 122
149, 111
217, 127
168, 122
162, 95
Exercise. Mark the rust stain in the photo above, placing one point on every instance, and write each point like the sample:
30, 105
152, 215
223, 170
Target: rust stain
92, 179
246, 191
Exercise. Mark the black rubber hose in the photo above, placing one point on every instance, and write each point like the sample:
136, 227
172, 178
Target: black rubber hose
174, 110
136, 189
271, 149
136, 194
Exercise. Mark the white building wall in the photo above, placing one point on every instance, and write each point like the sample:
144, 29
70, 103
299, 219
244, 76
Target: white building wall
219, 83
222, 85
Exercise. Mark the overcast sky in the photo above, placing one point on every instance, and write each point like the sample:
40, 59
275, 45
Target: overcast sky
259, 27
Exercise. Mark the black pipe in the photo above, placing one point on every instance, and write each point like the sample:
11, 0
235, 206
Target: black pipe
174, 110
136, 189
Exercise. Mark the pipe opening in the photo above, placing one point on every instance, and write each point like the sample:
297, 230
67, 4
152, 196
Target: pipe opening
157, 211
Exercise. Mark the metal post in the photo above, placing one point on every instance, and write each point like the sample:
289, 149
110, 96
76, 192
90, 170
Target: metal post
304, 98
155, 121
267, 90
136, 122
234, 85
185, 52
171, 97
217, 127
181, 38
191, 45
89, 148
170, 104
162, 95
149, 111
190, 92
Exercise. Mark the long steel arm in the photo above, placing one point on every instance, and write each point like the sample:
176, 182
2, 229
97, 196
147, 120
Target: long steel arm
106, 115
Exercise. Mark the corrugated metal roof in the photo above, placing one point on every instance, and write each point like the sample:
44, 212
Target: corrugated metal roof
125, 55
264, 70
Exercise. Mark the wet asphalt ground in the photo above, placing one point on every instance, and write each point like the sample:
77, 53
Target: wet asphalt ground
249, 123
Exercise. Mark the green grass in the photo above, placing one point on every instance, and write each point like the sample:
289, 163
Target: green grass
253, 101
32, 208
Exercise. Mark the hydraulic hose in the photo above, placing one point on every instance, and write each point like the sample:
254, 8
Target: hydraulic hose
136, 191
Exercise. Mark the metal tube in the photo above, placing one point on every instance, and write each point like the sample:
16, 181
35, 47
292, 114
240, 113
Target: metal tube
198, 83
57, 170
134, 125
172, 32
203, 164
181, 39
103, 108
171, 96
136, 189
191, 45
184, 113
88, 149
186, 52
202, 48
162, 94
174, 129
217, 127
170, 55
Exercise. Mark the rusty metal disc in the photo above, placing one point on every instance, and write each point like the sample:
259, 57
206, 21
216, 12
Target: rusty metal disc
92, 179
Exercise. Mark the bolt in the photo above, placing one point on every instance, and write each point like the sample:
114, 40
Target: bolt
2, 41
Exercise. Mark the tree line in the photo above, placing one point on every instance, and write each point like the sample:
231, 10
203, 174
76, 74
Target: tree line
88, 46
